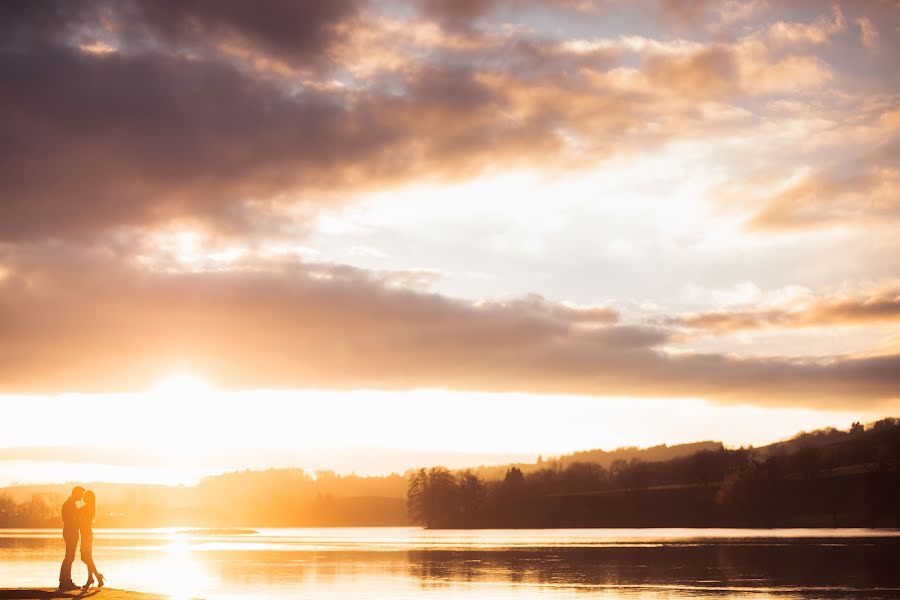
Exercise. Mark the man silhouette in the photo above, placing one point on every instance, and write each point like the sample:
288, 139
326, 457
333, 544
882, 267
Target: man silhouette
70, 535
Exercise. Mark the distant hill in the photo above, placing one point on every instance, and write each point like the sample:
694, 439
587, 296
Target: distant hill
604, 458
658, 453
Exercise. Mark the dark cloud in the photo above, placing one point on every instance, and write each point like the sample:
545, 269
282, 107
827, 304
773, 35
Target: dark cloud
25, 23
189, 114
296, 30
95, 142
463, 14
91, 323
685, 12
460, 13
91, 142
299, 31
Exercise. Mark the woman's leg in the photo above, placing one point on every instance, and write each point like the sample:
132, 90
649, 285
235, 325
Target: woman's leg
92, 569
90, 577
87, 557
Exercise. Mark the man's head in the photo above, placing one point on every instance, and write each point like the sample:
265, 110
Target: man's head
77, 492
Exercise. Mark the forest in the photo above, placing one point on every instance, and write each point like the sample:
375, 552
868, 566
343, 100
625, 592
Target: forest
826, 478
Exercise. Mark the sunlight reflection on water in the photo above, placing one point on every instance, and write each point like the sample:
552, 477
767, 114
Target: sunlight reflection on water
412, 563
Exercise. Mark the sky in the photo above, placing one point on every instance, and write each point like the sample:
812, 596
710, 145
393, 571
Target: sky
367, 235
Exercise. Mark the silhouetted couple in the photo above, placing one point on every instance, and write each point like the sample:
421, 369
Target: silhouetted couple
79, 520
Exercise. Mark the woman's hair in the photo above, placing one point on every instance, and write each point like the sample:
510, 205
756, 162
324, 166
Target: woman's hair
90, 505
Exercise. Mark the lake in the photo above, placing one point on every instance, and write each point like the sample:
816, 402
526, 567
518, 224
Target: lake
415, 563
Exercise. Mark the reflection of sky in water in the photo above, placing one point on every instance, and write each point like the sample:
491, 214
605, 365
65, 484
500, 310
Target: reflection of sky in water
412, 563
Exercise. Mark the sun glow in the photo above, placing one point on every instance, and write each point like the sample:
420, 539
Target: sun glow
184, 406
184, 429
182, 385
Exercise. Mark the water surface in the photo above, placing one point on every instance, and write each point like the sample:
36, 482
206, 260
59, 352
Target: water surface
463, 565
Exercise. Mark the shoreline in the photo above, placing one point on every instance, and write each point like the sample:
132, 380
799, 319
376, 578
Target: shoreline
98, 593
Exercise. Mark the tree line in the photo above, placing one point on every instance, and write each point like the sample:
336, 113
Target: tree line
260, 498
34, 512
826, 478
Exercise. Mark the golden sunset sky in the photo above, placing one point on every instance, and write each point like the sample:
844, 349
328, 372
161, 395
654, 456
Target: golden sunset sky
367, 235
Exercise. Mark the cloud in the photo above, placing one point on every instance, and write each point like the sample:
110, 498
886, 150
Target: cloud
737, 11
731, 71
24, 23
132, 140
147, 139
868, 33
81, 454
819, 31
149, 113
84, 322
242, 119
459, 13
140, 139
463, 14
835, 168
684, 11
709, 72
297, 31
834, 198
878, 307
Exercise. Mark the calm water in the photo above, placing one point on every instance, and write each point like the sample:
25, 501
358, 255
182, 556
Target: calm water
413, 563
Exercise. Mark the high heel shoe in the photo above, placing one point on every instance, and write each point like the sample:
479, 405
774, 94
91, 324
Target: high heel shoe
100, 580
88, 584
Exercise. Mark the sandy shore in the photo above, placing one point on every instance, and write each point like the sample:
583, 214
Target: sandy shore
98, 594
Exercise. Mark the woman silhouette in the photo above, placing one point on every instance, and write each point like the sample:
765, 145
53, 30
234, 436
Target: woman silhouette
86, 525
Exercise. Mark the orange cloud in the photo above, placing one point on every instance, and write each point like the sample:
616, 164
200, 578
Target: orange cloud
820, 199
883, 306
245, 119
731, 71
868, 33
817, 32
77, 323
